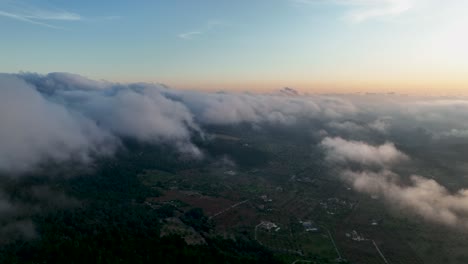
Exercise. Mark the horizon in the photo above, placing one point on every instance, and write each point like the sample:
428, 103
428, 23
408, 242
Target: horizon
315, 46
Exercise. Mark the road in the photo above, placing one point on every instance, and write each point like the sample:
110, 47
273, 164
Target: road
333, 242
380, 252
302, 261
227, 209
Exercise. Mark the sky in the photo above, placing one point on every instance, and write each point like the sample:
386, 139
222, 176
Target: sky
314, 46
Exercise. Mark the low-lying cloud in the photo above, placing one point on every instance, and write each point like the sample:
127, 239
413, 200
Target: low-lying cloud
15, 215
343, 151
417, 195
35, 129
63, 117
422, 196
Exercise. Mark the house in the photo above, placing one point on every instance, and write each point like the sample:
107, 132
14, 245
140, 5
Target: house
310, 226
265, 198
268, 225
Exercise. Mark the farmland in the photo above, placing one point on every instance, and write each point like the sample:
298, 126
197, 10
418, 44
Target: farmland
269, 202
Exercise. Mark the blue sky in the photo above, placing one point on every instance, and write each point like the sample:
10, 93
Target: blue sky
317, 45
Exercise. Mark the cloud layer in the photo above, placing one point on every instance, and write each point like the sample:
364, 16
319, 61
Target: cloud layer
342, 151
65, 117
61, 117
422, 196
417, 195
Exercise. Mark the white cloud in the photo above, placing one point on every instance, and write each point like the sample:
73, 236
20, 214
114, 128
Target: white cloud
24, 19
189, 35
62, 117
34, 129
362, 10
53, 15
422, 196
365, 10
209, 26
231, 109
381, 125
37, 16
77, 119
343, 151
40, 16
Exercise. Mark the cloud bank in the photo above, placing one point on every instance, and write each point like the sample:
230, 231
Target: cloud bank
65, 117
15, 215
422, 196
61, 117
417, 195
342, 151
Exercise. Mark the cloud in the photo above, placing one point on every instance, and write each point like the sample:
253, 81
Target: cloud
381, 125
232, 109
16, 214
362, 10
343, 151
52, 15
415, 195
189, 35
365, 10
43, 17
25, 19
347, 127
422, 196
35, 129
209, 26
17, 230
359, 128
457, 133
77, 119
63, 117
38, 16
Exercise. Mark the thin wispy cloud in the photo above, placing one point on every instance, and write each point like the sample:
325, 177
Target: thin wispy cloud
24, 19
53, 15
35, 15
211, 25
189, 35
379, 8
363, 10
47, 17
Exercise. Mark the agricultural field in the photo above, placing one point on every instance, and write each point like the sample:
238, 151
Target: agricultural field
270, 202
